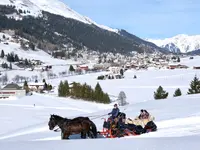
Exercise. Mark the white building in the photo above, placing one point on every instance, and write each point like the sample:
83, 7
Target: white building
12, 90
115, 70
36, 86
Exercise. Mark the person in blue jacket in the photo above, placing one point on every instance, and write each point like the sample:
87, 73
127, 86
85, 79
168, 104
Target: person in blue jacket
114, 112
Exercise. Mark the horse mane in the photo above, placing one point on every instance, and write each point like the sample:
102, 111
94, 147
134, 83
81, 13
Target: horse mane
57, 117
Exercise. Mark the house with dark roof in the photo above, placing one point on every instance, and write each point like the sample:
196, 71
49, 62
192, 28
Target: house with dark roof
11, 90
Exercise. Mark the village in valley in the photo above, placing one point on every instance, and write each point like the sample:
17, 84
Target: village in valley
111, 65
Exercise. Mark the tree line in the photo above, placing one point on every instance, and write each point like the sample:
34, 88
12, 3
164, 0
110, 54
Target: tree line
160, 93
11, 57
83, 91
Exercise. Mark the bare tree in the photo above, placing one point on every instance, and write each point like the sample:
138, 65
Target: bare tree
41, 75
4, 79
49, 74
122, 99
34, 77
16, 78
1, 80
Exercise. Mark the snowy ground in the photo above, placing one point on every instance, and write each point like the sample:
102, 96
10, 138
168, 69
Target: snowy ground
178, 119
147, 82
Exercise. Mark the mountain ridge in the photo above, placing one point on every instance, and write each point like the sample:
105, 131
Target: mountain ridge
52, 6
41, 25
186, 43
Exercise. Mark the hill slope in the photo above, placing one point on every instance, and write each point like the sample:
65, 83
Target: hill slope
53, 6
34, 132
55, 23
178, 119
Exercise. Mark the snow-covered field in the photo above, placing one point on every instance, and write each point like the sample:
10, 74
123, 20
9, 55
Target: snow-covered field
23, 126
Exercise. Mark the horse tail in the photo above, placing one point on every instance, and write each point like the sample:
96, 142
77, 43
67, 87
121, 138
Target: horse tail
93, 129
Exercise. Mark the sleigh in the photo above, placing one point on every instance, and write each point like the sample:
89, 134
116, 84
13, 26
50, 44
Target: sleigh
132, 130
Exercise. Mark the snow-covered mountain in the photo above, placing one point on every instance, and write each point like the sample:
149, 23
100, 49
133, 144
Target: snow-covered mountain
183, 42
57, 24
171, 47
52, 6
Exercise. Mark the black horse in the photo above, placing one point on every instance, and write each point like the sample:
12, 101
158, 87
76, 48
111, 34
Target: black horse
77, 125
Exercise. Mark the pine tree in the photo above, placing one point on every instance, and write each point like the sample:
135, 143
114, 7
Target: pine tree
71, 68
32, 46
83, 91
122, 72
45, 86
178, 59
177, 93
26, 62
89, 93
106, 98
98, 92
78, 91
16, 58
60, 89
194, 86
2, 54
49, 87
73, 89
26, 86
10, 66
160, 93
12, 59
66, 88
8, 58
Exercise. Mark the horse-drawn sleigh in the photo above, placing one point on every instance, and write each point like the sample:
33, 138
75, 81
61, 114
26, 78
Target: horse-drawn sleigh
119, 127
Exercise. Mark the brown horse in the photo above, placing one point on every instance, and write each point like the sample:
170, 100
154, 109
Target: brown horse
77, 125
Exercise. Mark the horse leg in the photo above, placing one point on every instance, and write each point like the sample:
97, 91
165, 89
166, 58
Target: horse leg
62, 135
83, 136
65, 135
89, 134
